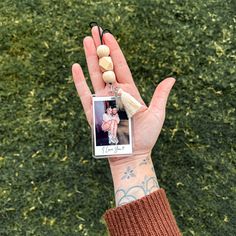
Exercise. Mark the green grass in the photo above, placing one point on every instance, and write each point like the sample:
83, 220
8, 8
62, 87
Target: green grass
49, 183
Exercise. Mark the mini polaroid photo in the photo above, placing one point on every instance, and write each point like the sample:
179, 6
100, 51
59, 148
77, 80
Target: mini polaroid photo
111, 129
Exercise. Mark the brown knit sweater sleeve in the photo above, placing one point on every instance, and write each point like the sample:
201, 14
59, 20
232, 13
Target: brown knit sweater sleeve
150, 215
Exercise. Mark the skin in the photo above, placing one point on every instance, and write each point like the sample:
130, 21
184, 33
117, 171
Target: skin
109, 111
113, 126
114, 123
114, 111
146, 123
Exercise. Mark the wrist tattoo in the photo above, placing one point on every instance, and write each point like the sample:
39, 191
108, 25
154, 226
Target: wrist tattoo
128, 173
145, 161
147, 186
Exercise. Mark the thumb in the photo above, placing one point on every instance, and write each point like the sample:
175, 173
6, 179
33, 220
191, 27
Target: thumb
160, 96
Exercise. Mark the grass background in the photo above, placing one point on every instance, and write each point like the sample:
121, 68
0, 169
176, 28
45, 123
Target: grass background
49, 183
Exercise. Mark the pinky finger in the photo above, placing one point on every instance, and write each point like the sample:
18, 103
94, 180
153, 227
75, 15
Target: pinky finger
83, 91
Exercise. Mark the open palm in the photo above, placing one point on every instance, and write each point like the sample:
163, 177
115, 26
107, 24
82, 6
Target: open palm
147, 123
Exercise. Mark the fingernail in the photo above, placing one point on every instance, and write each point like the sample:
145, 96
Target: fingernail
105, 31
92, 24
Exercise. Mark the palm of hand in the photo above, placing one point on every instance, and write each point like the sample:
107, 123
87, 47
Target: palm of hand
147, 123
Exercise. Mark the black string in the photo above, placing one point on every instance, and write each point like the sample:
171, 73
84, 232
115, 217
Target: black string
94, 23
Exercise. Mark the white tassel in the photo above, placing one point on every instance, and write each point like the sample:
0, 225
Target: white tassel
131, 105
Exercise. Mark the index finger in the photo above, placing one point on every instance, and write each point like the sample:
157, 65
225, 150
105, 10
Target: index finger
83, 91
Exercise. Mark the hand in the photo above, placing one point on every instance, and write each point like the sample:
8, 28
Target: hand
148, 123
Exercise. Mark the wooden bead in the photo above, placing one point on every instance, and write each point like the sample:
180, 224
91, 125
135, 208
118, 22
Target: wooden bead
105, 63
103, 51
109, 76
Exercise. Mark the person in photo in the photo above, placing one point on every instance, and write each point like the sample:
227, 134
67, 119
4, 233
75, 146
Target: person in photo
110, 124
114, 124
106, 123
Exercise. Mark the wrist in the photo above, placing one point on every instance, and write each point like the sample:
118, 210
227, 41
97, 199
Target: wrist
133, 177
135, 158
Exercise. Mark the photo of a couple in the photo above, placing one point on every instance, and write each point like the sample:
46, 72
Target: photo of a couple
111, 124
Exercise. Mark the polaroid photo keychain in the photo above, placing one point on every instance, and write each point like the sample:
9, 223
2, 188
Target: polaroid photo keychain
112, 115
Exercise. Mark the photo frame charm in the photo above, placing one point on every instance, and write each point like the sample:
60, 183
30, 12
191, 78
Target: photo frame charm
112, 115
111, 129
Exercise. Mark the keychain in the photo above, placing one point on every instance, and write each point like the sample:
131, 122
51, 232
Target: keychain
112, 133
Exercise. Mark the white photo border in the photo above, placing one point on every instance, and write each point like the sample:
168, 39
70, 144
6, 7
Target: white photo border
110, 150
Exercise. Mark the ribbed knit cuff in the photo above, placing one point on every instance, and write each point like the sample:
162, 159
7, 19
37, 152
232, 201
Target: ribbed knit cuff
150, 215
